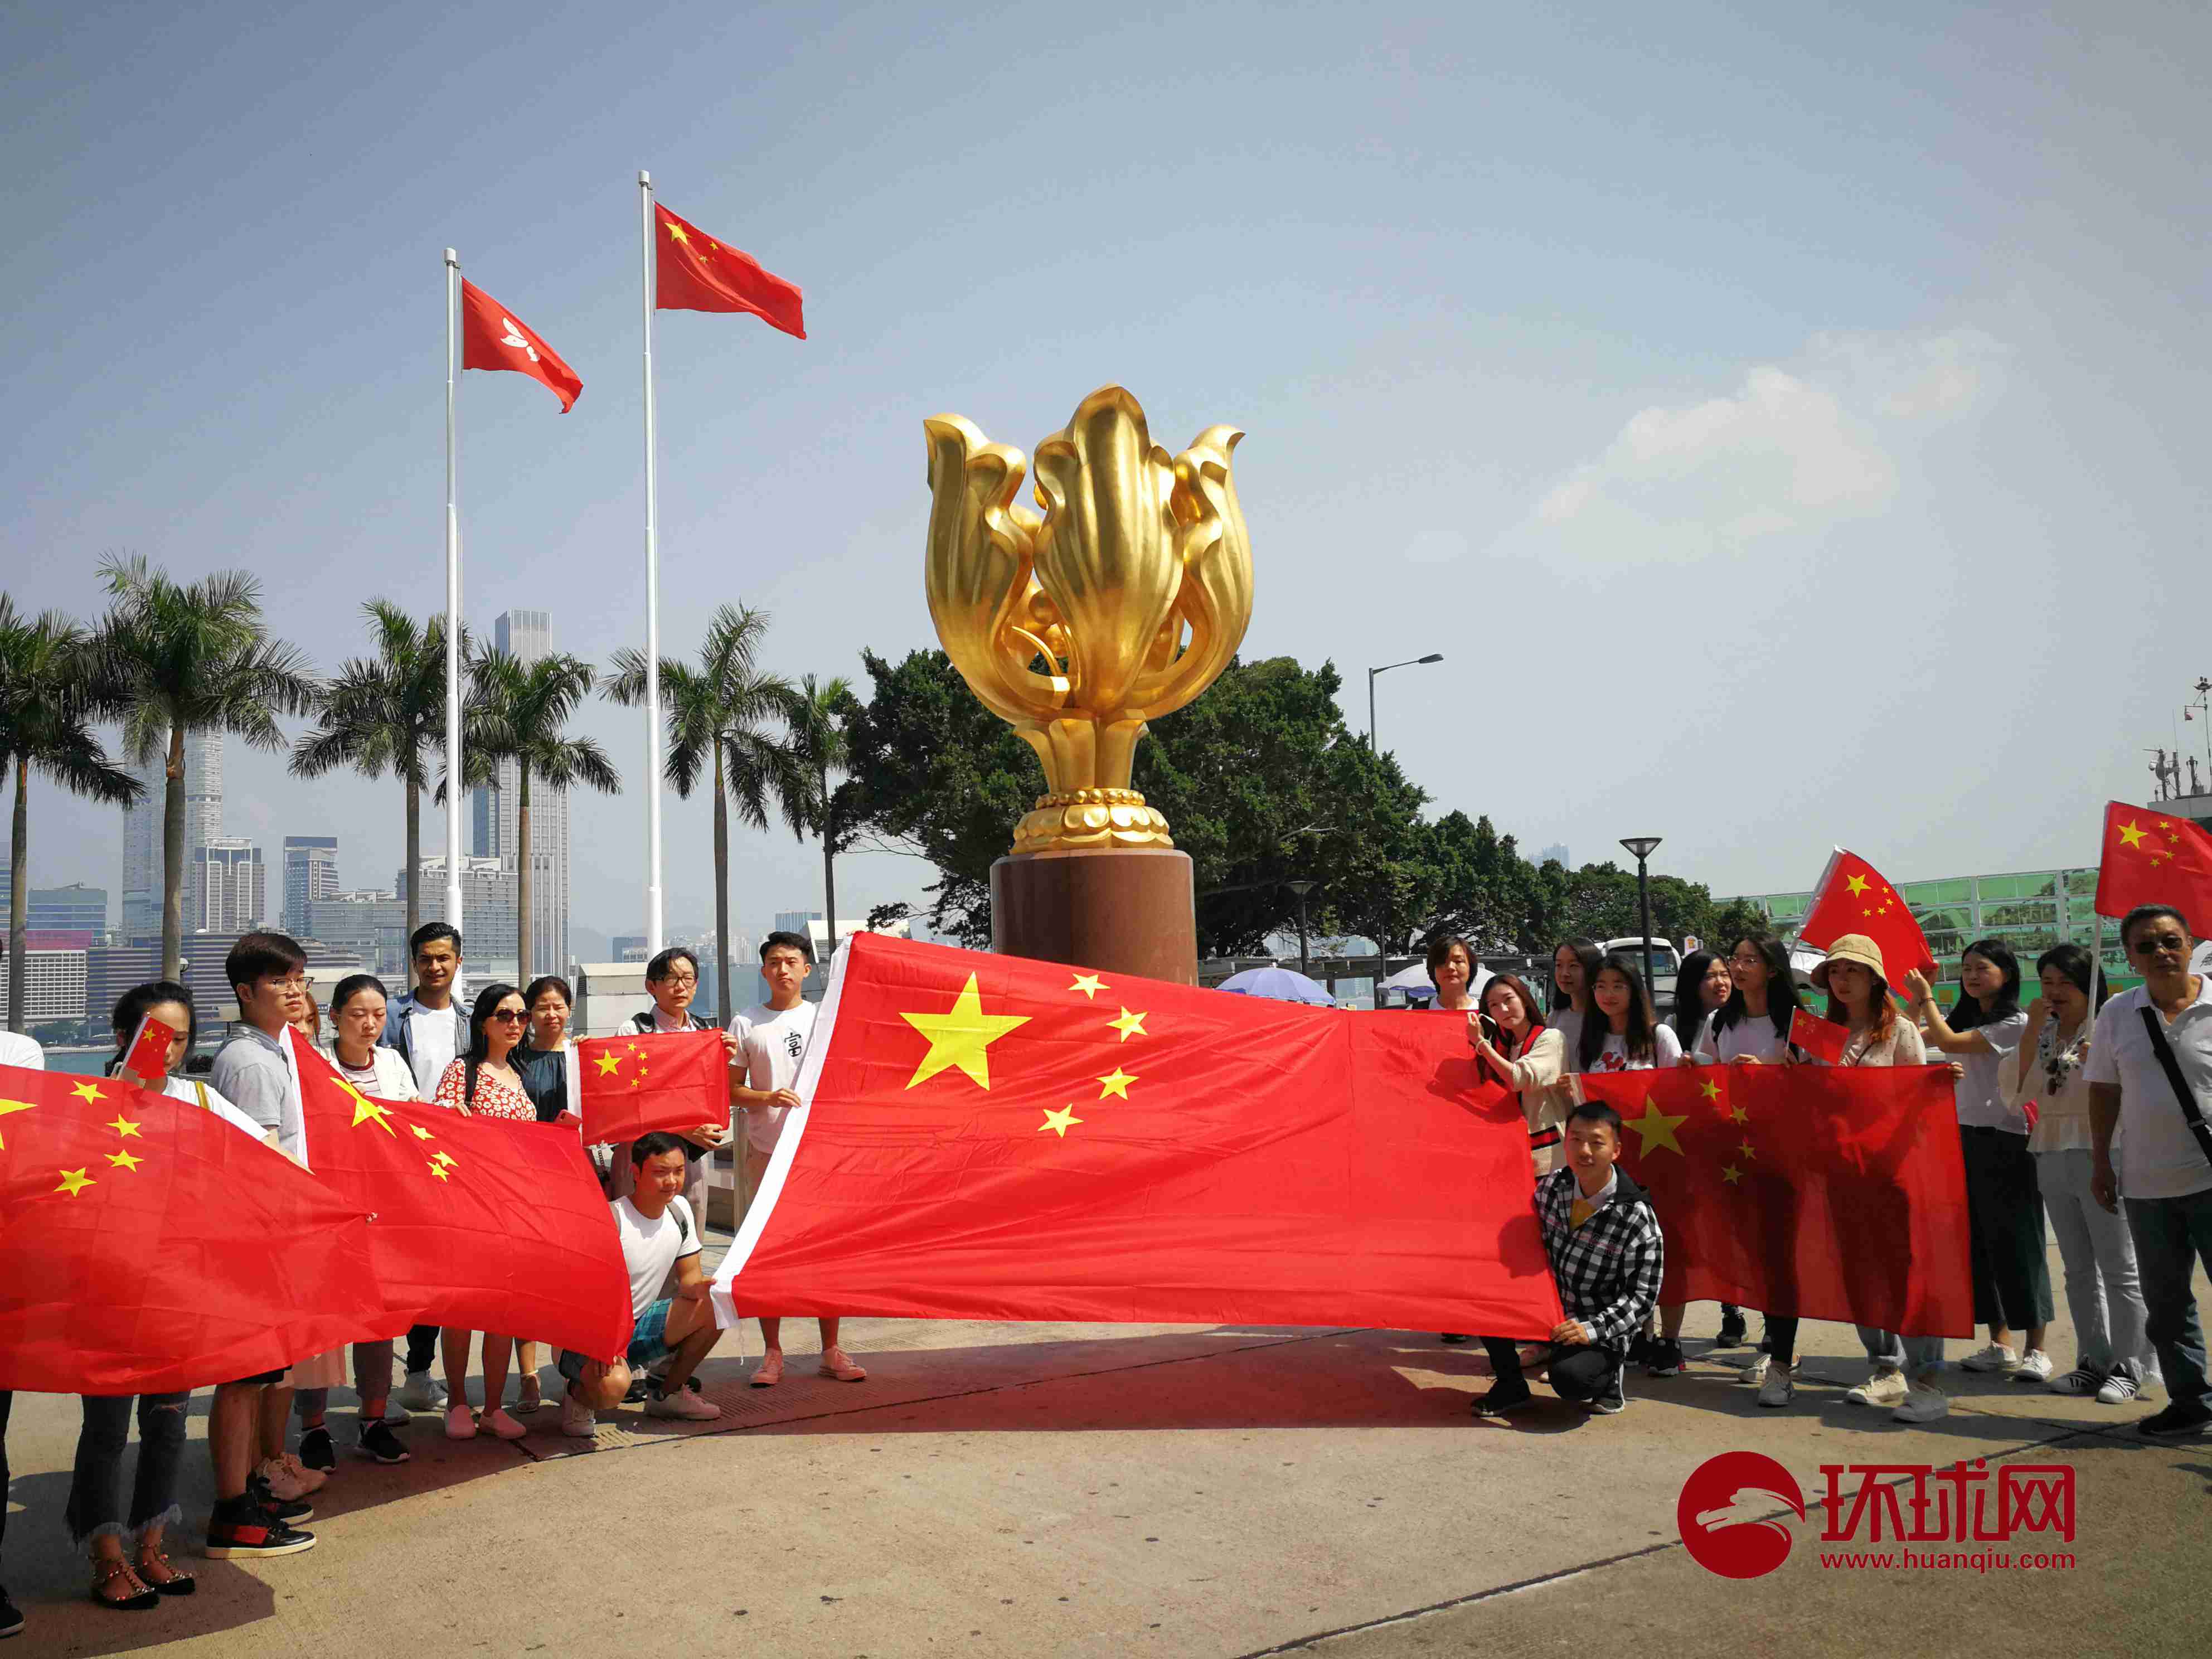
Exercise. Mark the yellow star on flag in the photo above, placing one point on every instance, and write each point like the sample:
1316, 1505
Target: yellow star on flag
366, 1110
1059, 1122
1739, 1115
438, 1170
87, 1091
445, 1160
7, 1106
1731, 1175
1748, 1149
123, 1127
421, 1134
1089, 985
1709, 1090
676, 232
1129, 1025
1858, 884
2132, 834
609, 1064
962, 1037
74, 1182
124, 1160
1116, 1082
1657, 1129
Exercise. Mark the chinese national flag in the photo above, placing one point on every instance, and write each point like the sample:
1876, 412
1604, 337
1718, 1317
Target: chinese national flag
1853, 898
2154, 858
149, 1055
989, 1137
695, 272
479, 1222
1825, 1192
491, 338
1823, 1039
147, 1246
632, 1085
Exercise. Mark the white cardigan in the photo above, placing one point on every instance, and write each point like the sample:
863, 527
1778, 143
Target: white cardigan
395, 1079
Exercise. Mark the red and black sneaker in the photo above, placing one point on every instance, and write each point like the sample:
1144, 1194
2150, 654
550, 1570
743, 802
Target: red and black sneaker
240, 1527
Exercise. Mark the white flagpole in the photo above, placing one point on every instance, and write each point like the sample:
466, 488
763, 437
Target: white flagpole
453, 601
653, 940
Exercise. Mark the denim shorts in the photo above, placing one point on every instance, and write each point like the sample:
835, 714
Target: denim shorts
648, 1341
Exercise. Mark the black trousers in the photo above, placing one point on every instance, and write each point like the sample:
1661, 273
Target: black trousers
421, 1347
2004, 1223
1578, 1374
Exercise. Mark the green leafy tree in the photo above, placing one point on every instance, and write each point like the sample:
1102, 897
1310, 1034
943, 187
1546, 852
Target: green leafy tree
191, 657
728, 717
50, 694
386, 715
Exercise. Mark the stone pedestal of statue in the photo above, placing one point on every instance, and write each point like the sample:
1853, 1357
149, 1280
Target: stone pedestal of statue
1128, 911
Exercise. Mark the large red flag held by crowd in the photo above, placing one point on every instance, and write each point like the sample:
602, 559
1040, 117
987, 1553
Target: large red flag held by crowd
147, 1246
1825, 1192
1853, 898
632, 1085
2151, 857
491, 338
696, 272
479, 1222
989, 1137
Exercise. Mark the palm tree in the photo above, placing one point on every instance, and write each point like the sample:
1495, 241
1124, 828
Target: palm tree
818, 736
387, 715
49, 694
192, 657
522, 716
721, 714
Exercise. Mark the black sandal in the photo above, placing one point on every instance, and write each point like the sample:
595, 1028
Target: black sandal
106, 1573
179, 1583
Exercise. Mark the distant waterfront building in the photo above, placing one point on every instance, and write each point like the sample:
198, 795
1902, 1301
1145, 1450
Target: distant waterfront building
141, 833
228, 889
111, 970
72, 909
372, 923
1556, 852
311, 872
488, 912
54, 973
626, 947
528, 636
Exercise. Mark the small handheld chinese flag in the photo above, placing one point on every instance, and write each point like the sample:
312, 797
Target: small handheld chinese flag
1854, 899
2154, 858
632, 1085
1823, 1039
491, 338
695, 272
147, 1058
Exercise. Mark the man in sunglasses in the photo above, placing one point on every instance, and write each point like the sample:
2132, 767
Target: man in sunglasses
2150, 1072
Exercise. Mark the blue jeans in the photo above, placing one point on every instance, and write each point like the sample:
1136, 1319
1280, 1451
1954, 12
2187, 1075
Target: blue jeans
2172, 1235
95, 1497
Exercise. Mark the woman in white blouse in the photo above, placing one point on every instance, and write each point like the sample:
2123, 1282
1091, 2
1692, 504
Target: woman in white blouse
1528, 1057
1622, 1033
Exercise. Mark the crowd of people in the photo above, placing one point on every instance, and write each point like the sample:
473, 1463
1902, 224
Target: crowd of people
2078, 1111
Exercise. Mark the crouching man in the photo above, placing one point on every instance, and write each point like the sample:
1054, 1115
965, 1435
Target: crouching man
1603, 1239
670, 1335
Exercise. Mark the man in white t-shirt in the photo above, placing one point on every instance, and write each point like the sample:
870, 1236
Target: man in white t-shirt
772, 1038
659, 1233
2165, 1164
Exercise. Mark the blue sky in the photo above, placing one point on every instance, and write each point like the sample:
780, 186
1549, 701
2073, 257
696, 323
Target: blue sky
1788, 426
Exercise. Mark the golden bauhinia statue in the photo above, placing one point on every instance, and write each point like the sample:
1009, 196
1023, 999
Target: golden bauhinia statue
1121, 603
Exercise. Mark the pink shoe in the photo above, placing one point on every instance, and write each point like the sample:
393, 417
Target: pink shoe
836, 1363
499, 1423
769, 1371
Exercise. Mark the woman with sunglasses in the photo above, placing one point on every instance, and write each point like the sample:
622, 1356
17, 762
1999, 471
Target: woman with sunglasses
484, 1082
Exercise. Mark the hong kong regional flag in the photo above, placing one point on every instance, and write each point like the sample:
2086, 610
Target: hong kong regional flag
697, 273
632, 1085
148, 1246
1825, 1192
2151, 857
491, 338
987, 1137
1853, 898
480, 1222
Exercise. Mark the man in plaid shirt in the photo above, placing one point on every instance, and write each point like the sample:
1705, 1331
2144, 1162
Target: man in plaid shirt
1603, 1239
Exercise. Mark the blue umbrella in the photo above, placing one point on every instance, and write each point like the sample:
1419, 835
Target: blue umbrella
1282, 984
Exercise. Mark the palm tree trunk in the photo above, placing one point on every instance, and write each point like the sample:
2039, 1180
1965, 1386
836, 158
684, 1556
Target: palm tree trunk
414, 881
19, 894
829, 868
721, 891
522, 872
172, 859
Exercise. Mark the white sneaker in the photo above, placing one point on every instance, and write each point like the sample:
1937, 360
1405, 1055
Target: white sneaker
1923, 1406
578, 1420
499, 1423
460, 1423
289, 1479
2081, 1380
683, 1405
2117, 1389
1776, 1391
422, 1392
1994, 1357
2035, 1366
1754, 1374
1884, 1387
396, 1415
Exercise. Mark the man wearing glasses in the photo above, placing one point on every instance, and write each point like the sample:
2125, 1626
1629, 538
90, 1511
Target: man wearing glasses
2150, 1072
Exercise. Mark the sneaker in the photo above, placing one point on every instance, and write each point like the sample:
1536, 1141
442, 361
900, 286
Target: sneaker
1614, 1396
422, 1392
1754, 1374
1922, 1404
396, 1414
1776, 1392
1733, 1329
316, 1451
1664, 1358
640, 1390
2176, 1422
499, 1423
1502, 1397
578, 1420
290, 1511
378, 1442
2035, 1366
1885, 1387
242, 1528
288, 1478
2117, 1389
11, 1617
460, 1423
2082, 1379
1994, 1357
683, 1405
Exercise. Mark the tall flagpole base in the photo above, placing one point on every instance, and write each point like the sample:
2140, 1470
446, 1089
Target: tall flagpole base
1121, 911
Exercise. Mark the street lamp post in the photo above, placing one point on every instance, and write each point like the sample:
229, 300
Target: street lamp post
1641, 846
1302, 888
1410, 662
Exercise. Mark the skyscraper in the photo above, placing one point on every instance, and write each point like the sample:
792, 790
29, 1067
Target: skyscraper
528, 636
229, 892
311, 872
141, 832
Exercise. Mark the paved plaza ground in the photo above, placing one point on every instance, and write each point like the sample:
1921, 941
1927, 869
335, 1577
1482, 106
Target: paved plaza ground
1028, 1489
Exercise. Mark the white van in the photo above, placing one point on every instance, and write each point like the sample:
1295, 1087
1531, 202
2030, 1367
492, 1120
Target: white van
1666, 966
